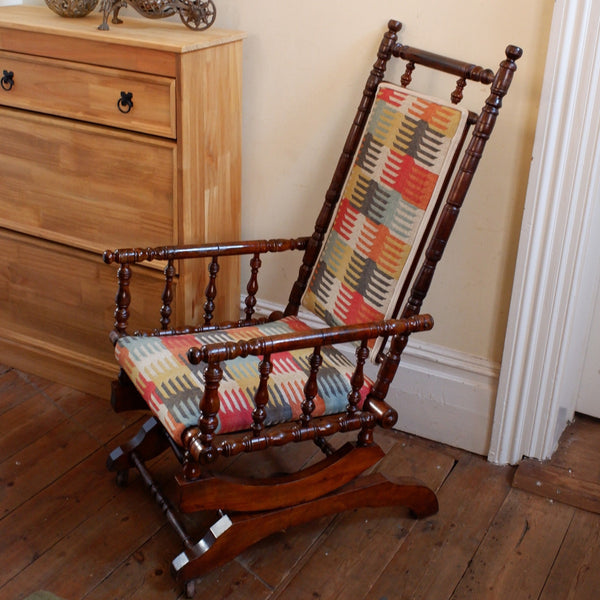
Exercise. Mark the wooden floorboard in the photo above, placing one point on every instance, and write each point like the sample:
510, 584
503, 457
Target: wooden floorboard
65, 526
572, 475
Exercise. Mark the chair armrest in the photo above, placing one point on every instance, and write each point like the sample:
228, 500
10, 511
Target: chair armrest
199, 440
137, 255
217, 352
126, 257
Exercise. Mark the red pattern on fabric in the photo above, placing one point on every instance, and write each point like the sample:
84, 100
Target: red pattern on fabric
345, 221
179, 344
413, 182
351, 302
392, 96
373, 240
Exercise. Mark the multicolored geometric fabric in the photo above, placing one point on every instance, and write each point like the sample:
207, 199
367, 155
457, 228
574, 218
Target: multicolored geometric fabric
405, 152
172, 387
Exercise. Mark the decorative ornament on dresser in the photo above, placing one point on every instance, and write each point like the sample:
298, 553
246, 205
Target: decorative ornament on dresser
72, 8
195, 14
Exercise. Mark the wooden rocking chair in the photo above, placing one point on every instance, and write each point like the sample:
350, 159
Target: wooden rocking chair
244, 386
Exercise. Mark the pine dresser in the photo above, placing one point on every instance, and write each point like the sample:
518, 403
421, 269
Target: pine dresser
82, 171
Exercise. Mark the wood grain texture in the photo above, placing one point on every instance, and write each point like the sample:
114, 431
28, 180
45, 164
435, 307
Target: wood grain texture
82, 175
58, 185
427, 565
572, 475
57, 536
520, 546
136, 33
90, 94
56, 310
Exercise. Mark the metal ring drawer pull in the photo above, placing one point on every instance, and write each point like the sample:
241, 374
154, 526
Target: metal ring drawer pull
7, 80
125, 102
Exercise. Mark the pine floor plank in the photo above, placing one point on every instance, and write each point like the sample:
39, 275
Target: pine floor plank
146, 569
30, 419
356, 549
559, 484
579, 449
432, 559
575, 574
39, 523
13, 389
572, 475
35, 467
86, 555
518, 550
66, 527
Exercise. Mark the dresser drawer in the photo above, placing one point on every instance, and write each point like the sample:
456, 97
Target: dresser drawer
83, 185
63, 298
90, 93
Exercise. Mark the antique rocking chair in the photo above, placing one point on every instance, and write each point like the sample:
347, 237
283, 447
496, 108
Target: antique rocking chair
241, 387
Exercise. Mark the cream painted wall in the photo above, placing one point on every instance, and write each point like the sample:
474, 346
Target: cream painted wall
304, 67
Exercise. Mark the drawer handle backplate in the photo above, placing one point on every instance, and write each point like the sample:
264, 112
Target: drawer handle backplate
125, 102
7, 80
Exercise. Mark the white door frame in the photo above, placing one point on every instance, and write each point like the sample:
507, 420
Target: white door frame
550, 307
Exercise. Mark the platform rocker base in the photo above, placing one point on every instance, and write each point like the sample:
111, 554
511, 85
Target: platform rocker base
252, 509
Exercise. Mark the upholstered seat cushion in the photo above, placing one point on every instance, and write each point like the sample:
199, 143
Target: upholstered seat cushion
172, 387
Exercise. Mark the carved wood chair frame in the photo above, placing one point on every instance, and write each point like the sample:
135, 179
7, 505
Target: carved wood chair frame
253, 508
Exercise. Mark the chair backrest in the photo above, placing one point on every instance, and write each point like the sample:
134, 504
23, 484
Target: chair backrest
389, 199
401, 161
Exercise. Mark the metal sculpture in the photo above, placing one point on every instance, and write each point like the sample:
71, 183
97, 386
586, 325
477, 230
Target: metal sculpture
195, 14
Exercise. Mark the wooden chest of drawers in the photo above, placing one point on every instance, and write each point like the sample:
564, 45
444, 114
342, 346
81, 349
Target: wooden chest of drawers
81, 171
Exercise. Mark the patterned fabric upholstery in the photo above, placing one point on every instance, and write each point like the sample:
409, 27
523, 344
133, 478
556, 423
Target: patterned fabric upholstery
172, 387
391, 191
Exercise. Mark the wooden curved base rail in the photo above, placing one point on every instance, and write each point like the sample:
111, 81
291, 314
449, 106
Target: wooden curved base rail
252, 509
232, 534
243, 494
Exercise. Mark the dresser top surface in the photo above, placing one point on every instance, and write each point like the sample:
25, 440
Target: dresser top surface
135, 31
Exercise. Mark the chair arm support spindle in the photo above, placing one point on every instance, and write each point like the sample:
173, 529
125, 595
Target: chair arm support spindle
252, 287
311, 389
209, 408
262, 396
122, 300
167, 297
211, 291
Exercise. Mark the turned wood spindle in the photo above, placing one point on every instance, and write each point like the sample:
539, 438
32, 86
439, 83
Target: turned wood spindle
457, 94
211, 290
262, 396
252, 287
358, 378
406, 78
167, 296
122, 299
311, 389
209, 408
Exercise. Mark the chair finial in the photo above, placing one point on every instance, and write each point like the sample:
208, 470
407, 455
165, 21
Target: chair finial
514, 52
394, 26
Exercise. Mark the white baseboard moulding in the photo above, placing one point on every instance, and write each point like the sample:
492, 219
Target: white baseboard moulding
440, 394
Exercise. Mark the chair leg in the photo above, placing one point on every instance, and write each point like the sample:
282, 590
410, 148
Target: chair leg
124, 395
150, 441
232, 534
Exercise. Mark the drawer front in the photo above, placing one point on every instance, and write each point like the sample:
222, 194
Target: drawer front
90, 94
87, 186
64, 298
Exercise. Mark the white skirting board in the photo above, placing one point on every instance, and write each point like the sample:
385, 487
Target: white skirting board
440, 394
